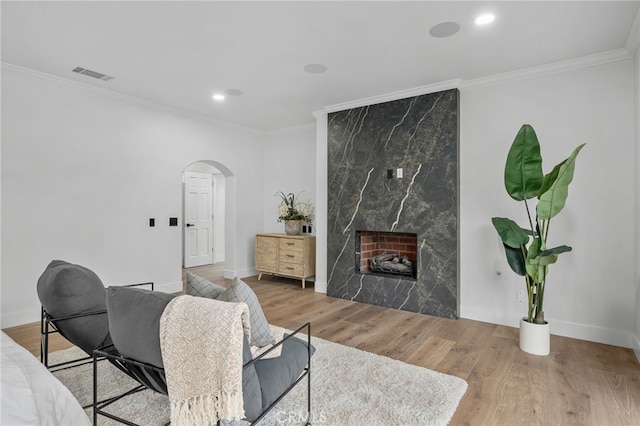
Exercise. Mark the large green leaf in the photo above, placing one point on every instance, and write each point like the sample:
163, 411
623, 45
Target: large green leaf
555, 250
553, 199
510, 232
515, 258
523, 171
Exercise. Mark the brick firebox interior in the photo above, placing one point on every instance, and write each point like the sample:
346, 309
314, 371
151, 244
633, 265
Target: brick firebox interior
374, 243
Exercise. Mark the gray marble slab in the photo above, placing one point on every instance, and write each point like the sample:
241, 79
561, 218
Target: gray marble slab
419, 135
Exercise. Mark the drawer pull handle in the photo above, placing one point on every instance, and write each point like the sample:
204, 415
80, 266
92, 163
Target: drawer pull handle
289, 244
290, 255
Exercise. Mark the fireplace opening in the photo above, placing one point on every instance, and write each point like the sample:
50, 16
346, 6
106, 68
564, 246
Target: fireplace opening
391, 254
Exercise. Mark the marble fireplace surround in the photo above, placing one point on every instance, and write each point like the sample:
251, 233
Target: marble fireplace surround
366, 148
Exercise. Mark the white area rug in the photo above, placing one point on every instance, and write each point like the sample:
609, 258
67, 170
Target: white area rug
348, 387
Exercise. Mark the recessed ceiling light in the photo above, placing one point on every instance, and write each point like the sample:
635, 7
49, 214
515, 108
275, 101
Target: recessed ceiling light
485, 19
315, 68
444, 29
218, 97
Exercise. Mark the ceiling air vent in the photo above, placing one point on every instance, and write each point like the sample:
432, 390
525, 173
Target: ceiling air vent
93, 74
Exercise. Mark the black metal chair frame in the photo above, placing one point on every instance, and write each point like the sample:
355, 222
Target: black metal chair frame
48, 326
153, 378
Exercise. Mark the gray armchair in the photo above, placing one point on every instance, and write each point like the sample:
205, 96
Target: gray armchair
134, 316
121, 325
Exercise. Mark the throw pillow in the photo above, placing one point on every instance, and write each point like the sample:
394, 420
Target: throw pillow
134, 322
198, 286
260, 330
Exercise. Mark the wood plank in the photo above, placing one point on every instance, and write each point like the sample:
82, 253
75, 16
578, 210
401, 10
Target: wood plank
464, 355
28, 336
486, 382
523, 393
566, 396
430, 352
344, 333
613, 396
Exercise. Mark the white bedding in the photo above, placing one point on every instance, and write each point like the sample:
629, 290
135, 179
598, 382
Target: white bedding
30, 394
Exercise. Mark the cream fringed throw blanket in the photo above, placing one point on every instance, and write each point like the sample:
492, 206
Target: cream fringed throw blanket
201, 343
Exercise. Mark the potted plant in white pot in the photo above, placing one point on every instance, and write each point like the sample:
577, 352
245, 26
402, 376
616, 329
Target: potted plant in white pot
526, 248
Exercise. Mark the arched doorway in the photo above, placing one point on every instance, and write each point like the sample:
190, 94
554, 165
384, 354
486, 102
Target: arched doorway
209, 216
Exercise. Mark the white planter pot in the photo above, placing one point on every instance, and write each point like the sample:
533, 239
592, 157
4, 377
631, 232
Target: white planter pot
534, 338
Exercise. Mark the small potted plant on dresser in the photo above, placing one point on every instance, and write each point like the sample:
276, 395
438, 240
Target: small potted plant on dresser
526, 248
293, 213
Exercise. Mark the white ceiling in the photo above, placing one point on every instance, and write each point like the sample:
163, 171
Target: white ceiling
179, 53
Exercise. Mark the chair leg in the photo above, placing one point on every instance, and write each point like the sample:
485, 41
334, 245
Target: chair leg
44, 338
95, 390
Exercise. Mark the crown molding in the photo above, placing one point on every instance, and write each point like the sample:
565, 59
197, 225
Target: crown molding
521, 74
394, 96
185, 113
547, 69
68, 82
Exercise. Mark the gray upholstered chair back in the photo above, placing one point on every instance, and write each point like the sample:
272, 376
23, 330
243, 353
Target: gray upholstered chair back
65, 289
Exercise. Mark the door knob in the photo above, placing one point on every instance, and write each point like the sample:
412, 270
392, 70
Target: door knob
190, 224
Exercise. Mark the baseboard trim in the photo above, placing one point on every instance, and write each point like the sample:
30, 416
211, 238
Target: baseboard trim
243, 273
320, 287
607, 336
592, 333
13, 319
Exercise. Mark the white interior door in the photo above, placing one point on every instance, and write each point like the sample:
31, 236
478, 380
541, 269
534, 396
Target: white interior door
198, 221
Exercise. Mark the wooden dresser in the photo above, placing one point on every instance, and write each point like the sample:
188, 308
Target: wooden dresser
286, 255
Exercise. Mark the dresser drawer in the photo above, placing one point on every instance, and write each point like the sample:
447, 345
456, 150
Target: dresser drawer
291, 244
295, 269
290, 256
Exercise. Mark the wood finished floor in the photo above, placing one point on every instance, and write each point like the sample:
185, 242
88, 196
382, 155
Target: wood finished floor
579, 383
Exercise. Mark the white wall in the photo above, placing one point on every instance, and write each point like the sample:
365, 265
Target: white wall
590, 291
84, 170
289, 166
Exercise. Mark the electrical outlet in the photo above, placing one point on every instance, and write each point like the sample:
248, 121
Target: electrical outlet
521, 297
